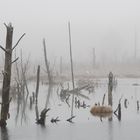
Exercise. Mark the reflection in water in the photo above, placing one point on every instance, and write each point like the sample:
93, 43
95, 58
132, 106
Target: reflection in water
4, 134
86, 126
110, 130
48, 96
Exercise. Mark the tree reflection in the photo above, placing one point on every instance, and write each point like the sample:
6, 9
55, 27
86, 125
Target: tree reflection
4, 133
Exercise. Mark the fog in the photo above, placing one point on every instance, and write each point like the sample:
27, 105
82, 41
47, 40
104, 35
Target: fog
109, 26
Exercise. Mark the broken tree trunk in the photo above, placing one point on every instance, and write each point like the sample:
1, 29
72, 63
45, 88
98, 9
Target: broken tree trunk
6, 76
110, 88
42, 118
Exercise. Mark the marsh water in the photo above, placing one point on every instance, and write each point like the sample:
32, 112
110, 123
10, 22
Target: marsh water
22, 126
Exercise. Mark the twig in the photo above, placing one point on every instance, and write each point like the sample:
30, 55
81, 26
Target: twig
103, 100
3, 49
55, 120
18, 41
70, 119
5, 25
15, 60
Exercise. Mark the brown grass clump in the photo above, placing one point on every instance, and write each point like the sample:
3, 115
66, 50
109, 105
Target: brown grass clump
101, 110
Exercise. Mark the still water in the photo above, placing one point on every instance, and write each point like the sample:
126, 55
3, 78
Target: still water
86, 126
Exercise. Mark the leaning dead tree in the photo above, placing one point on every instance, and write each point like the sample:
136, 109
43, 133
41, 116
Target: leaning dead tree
72, 74
7, 74
47, 63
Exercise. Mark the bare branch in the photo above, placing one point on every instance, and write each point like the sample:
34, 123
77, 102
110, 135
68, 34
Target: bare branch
18, 41
5, 25
3, 49
15, 60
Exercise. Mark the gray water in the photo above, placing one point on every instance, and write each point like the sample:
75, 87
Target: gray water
85, 126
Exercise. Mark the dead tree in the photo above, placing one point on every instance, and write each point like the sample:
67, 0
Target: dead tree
72, 74
7, 74
37, 83
110, 88
47, 63
37, 90
41, 119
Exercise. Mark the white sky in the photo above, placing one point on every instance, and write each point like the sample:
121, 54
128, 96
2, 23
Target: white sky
107, 25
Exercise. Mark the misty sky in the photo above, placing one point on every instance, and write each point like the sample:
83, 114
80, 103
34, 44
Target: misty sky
107, 25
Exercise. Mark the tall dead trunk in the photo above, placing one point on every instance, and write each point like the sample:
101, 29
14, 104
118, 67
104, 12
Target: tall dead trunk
37, 83
36, 93
6, 76
47, 63
72, 74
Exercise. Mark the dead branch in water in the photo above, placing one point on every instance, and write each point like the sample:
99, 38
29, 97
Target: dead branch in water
118, 110
42, 118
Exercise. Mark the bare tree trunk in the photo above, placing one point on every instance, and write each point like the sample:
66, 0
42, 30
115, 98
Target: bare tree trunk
72, 74
47, 63
37, 83
36, 94
110, 88
7, 76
